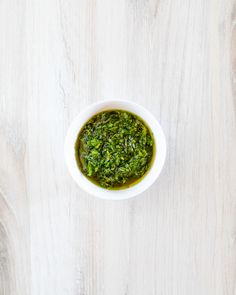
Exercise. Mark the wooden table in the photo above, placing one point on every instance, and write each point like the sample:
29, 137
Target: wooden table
178, 59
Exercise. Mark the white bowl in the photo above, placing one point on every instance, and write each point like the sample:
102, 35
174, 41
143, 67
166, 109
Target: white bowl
150, 176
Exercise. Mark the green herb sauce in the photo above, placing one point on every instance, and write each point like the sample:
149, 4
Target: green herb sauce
114, 149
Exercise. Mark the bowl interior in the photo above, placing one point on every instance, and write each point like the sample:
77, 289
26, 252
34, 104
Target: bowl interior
150, 176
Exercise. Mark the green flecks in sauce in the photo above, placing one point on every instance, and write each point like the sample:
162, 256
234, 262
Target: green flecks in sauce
114, 149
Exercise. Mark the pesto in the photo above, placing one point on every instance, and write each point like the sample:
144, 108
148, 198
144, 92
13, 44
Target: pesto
114, 149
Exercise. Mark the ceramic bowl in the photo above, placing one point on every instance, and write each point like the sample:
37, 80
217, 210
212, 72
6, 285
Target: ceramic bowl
151, 175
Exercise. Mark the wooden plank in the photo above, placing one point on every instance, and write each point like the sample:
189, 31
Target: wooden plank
177, 58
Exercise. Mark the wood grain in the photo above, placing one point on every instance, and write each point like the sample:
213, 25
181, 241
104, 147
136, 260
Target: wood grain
177, 58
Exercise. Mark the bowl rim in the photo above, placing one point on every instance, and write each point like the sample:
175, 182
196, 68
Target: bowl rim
151, 175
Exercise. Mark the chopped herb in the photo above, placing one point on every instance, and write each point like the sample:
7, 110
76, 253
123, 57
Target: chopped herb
114, 149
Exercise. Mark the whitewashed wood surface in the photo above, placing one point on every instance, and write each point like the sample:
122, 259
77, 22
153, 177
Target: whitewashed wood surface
178, 59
